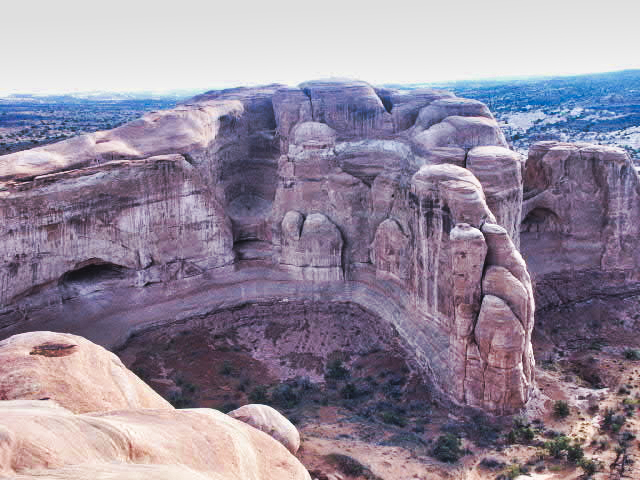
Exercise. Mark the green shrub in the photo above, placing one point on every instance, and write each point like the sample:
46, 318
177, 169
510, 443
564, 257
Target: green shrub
521, 432
350, 466
558, 446
632, 354
349, 392
561, 409
286, 396
448, 448
575, 453
226, 368
259, 395
336, 370
180, 400
393, 418
588, 466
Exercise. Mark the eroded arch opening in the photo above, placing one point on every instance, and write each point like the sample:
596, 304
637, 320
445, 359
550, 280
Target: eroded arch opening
94, 270
540, 219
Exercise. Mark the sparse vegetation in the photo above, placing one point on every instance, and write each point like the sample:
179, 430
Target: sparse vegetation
350, 466
336, 370
561, 409
632, 354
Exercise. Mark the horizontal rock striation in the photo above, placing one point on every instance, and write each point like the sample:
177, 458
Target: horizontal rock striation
579, 230
404, 202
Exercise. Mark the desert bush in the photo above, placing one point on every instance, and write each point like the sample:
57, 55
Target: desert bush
448, 448
349, 391
558, 446
575, 453
491, 463
393, 418
286, 395
350, 466
336, 370
259, 395
561, 409
226, 368
179, 399
612, 422
632, 354
588, 466
521, 432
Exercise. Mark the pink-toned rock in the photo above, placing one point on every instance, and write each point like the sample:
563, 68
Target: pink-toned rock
277, 196
463, 132
500, 173
440, 109
580, 226
75, 373
352, 108
43, 439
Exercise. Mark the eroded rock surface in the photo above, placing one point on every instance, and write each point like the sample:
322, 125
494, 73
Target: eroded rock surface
580, 224
333, 191
79, 375
131, 433
270, 421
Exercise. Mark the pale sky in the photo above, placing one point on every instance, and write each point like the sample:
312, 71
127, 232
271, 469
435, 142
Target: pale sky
126, 45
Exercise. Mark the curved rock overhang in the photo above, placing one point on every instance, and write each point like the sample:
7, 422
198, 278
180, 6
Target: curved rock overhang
274, 193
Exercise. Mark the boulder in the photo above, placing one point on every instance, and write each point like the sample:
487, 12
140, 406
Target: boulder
462, 132
270, 421
442, 108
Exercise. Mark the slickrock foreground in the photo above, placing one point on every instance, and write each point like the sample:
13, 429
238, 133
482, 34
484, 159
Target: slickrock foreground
332, 192
49, 437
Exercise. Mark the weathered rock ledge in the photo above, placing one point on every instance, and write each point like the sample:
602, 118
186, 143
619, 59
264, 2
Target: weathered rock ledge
405, 203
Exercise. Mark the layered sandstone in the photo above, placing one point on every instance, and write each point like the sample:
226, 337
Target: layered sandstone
404, 203
579, 230
131, 433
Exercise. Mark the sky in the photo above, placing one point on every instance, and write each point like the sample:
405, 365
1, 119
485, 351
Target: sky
85, 45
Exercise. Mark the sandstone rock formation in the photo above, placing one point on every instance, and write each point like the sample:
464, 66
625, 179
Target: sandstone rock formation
270, 421
59, 366
579, 230
138, 436
330, 192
